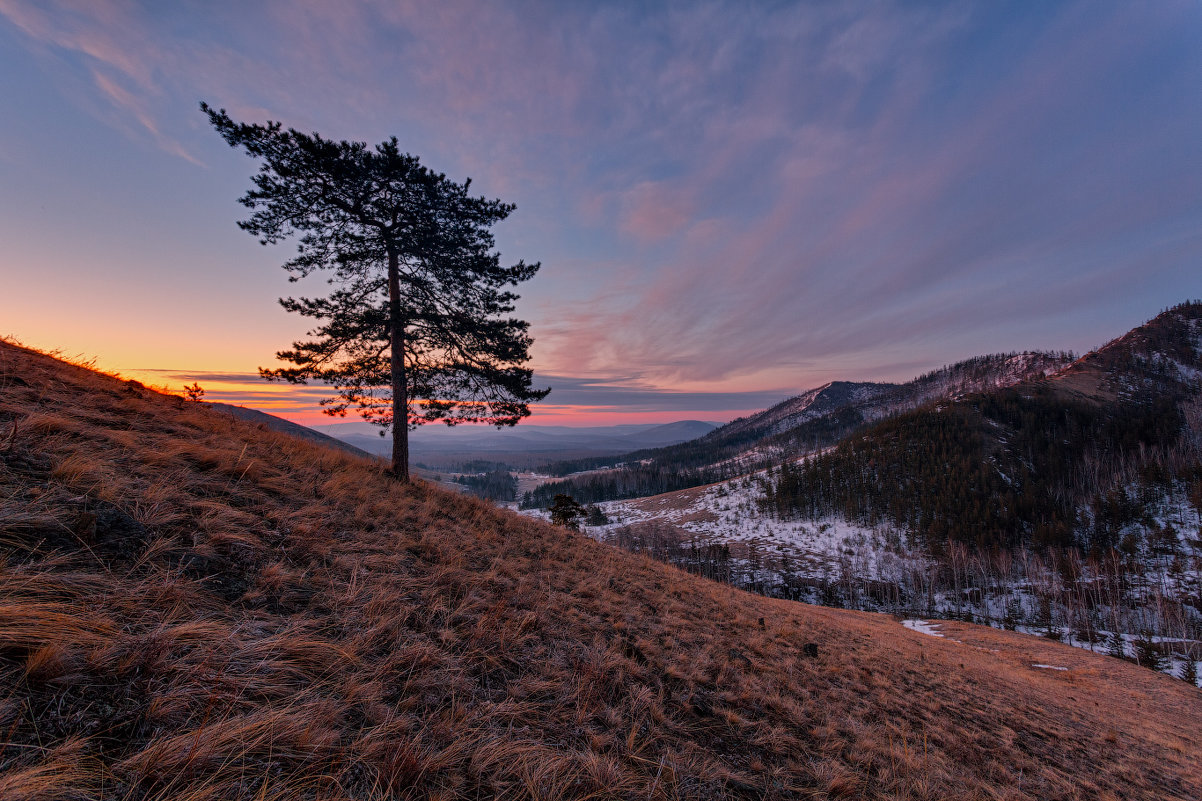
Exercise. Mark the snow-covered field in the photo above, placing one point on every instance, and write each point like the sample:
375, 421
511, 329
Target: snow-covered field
727, 513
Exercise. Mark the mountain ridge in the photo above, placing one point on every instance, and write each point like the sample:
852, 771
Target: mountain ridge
807, 422
1036, 461
970, 375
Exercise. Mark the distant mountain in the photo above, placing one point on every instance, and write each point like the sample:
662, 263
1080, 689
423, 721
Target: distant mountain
670, 433
522, 445
1078, 457
1068, 504
813, 420
873, 401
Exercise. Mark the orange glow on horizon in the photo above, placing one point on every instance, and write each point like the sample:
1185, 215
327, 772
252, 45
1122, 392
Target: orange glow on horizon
299, 404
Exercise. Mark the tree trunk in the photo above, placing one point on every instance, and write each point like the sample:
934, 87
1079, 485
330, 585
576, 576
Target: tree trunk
400, 396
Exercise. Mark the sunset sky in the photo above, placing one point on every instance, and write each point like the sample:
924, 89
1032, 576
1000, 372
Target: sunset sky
731, 202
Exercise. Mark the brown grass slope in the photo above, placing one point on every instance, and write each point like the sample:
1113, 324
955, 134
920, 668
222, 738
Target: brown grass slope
192, 607
255, 417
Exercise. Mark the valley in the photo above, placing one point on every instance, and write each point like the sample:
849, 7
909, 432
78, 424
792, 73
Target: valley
1072, 510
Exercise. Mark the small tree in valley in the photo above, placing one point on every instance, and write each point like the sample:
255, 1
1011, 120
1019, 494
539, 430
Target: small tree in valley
1189, 669
565, 511
416, 329
1117, 645
596, 516
1148, 653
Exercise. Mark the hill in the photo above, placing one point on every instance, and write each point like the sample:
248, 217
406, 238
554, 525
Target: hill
287, 427
1068, 460
1068, 504
813, 420
194, 607
873, 401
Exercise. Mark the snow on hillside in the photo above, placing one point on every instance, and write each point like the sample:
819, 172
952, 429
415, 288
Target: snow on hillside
727, 513
1124, 646
815, 403
836, 562
765, 550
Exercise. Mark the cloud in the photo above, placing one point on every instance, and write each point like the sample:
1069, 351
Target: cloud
114, 49
909, 213
619, 393
572, 397
81, 28
650, 211
615, 392
730, 196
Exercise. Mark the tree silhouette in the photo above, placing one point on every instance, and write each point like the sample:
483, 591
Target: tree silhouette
566, 512
416, 329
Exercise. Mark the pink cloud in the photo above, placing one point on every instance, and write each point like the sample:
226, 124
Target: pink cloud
118, 50
651, 211
720, 193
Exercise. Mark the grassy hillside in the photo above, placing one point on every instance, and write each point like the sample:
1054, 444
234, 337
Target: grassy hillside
256, 417
194, 607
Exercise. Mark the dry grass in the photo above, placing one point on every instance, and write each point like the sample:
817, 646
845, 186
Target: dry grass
192, 607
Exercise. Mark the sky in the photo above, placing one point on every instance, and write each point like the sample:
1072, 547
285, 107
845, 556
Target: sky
732, 202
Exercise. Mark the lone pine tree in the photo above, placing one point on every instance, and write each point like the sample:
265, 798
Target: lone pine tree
417, 327
565, 511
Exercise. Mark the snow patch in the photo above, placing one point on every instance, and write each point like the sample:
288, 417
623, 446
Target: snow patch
923, 627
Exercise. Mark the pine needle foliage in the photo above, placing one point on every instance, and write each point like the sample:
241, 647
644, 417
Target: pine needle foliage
418, 327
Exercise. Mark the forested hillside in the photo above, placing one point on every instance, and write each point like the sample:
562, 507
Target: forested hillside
1071, 460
